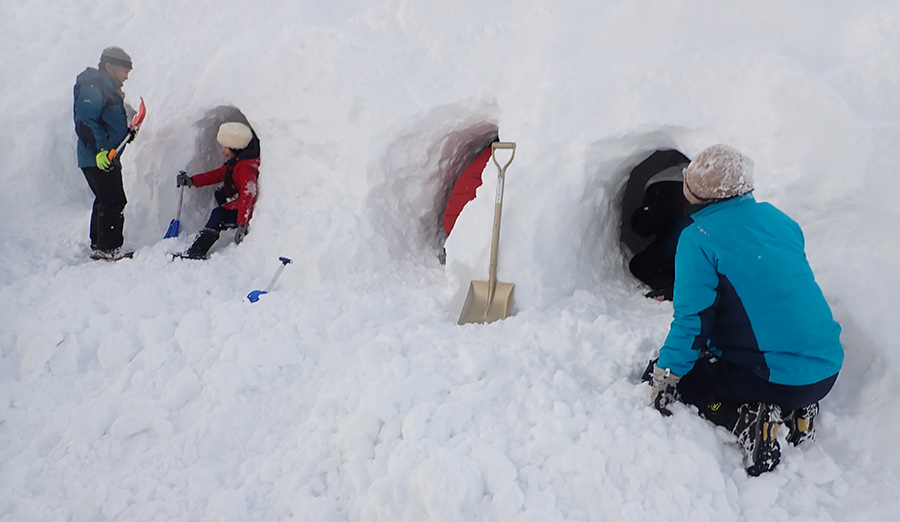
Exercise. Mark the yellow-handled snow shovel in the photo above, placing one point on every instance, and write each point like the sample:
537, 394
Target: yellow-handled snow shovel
488, 301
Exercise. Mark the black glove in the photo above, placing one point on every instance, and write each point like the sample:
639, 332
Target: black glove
239, 233
183, 180
663, 393
131, 135
662, 294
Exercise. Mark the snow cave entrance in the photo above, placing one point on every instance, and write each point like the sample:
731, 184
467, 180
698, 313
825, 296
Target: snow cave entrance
413, 182
208, 153
652, 215
633, 194
464, 160
207, 156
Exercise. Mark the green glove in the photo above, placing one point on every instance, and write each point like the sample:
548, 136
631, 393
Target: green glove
102, 158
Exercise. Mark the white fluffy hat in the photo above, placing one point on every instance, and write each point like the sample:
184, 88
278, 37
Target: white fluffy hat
719, 172
234, 135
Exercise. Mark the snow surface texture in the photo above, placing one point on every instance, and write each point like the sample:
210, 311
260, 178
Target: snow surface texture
151, 390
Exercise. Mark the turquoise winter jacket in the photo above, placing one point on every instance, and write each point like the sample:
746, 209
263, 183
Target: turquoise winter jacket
745, 291
100, 119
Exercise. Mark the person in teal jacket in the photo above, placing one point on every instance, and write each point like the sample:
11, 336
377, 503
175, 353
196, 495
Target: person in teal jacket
101, 124
753, 342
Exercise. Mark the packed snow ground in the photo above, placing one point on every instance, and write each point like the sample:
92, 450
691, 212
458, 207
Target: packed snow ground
151, 390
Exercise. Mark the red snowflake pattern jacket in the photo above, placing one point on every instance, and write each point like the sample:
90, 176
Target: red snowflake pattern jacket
240, 185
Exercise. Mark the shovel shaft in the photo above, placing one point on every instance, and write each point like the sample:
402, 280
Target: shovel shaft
498, 209
132, 130
272, 282
180, 201
495, 242
116, 151
284, 263
175, 224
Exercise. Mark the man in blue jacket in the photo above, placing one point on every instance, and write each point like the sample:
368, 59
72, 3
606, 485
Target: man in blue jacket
753, 342
101, 124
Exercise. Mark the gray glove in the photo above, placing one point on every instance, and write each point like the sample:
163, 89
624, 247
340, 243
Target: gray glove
239, 233
183, 180
663, 393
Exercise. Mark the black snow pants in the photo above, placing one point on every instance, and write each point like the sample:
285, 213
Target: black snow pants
107, 217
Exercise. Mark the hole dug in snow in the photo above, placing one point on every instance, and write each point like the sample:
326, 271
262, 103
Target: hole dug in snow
198, 202
653, 212
415, 181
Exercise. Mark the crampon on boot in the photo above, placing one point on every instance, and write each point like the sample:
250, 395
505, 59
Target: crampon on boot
201, 245
110, 255
756, 430
801, 424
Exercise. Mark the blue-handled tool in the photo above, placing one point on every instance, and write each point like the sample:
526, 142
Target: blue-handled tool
175, 224
254, 295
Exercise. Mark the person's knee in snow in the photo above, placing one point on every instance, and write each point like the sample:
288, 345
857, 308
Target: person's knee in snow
740, 255
237, 196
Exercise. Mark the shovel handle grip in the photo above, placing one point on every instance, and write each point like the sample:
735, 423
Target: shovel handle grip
500, 145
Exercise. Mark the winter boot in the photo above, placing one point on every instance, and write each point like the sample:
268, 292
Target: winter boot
110, 255
801, 424
756, 430
202, 243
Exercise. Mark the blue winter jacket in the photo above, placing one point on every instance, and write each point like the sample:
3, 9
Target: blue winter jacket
100, 120
745, 291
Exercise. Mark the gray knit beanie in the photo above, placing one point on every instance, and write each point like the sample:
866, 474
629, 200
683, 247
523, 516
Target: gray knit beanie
116, 56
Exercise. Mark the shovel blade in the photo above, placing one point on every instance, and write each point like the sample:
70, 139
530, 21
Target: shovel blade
174, 225
254, 295
481, 307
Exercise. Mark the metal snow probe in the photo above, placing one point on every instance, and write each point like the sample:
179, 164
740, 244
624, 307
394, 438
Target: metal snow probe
254, 295
488, 301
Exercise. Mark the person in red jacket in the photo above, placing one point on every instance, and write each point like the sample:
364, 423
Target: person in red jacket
237, 195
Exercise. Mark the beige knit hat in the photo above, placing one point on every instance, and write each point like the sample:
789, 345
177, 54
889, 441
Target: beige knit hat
719, 172
234, 135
